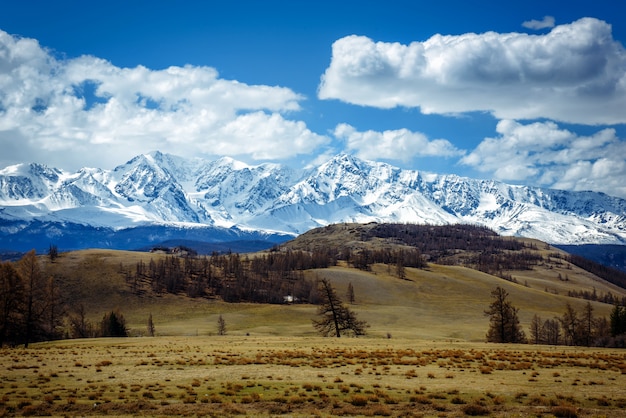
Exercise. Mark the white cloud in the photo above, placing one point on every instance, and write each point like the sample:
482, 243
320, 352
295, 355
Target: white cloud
546, 22
545, 154
575, 73
86, 111
400, 144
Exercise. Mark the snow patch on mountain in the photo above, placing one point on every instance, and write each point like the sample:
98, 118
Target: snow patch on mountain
163, 189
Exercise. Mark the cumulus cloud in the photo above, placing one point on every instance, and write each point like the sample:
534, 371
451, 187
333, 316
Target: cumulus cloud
575, 73
546, 22
87, 111
400, 144
543, 153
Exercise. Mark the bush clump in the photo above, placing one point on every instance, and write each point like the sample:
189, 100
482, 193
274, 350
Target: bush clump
564, 411
475, 409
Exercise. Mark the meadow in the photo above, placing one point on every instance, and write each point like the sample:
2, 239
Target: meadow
236, 375
424, 354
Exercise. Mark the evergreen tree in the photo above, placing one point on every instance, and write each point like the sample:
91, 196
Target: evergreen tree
53, 252
113, 325
618, 320
504, 323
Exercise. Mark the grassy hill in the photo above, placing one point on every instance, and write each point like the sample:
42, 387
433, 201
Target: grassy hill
271, 362
439, 302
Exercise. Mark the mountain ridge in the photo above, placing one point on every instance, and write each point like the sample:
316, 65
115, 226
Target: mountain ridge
166, 191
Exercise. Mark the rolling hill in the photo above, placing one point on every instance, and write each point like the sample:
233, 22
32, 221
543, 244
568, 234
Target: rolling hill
444, 300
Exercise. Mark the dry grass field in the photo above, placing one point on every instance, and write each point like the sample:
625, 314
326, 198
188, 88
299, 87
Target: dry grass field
424, 354
309, 376
440, 302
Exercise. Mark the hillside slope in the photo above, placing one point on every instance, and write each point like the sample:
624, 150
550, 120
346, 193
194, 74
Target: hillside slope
436, 302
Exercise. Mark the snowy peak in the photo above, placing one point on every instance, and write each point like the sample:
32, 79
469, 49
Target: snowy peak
152, 182
232, 190
343, 176
27, 181
142, 178
163, 189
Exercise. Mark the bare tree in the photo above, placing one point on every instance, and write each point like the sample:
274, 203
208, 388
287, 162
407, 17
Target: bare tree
400, 269
221, 326
55, 309
11, 294
151, 329
34, 295
587, 325
335, 317
552, 331
350, 293
79, 324
571, 324
536, 330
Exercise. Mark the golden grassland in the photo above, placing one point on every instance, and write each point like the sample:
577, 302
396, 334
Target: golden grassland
439, 302
424, 354
309, 376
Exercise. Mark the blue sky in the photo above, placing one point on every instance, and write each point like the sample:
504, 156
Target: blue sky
523, 92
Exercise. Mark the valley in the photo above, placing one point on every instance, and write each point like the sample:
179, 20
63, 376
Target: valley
444, 300
424, 353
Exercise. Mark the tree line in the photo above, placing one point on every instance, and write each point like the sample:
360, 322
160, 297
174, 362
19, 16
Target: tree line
615, 276
266, 278
439, 241
441, 244
578, 328
33, 308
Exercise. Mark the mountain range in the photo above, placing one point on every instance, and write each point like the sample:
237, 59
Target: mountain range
157, 197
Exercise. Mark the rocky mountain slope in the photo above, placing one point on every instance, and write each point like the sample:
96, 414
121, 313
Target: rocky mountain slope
160, 196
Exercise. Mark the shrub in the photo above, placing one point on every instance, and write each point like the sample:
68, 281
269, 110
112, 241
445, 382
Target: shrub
486, 370
381, 411
215, 398
421, 399
358, 400
564, 411
23, 404
475, 409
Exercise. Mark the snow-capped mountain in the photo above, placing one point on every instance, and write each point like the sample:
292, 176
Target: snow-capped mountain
179, 196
